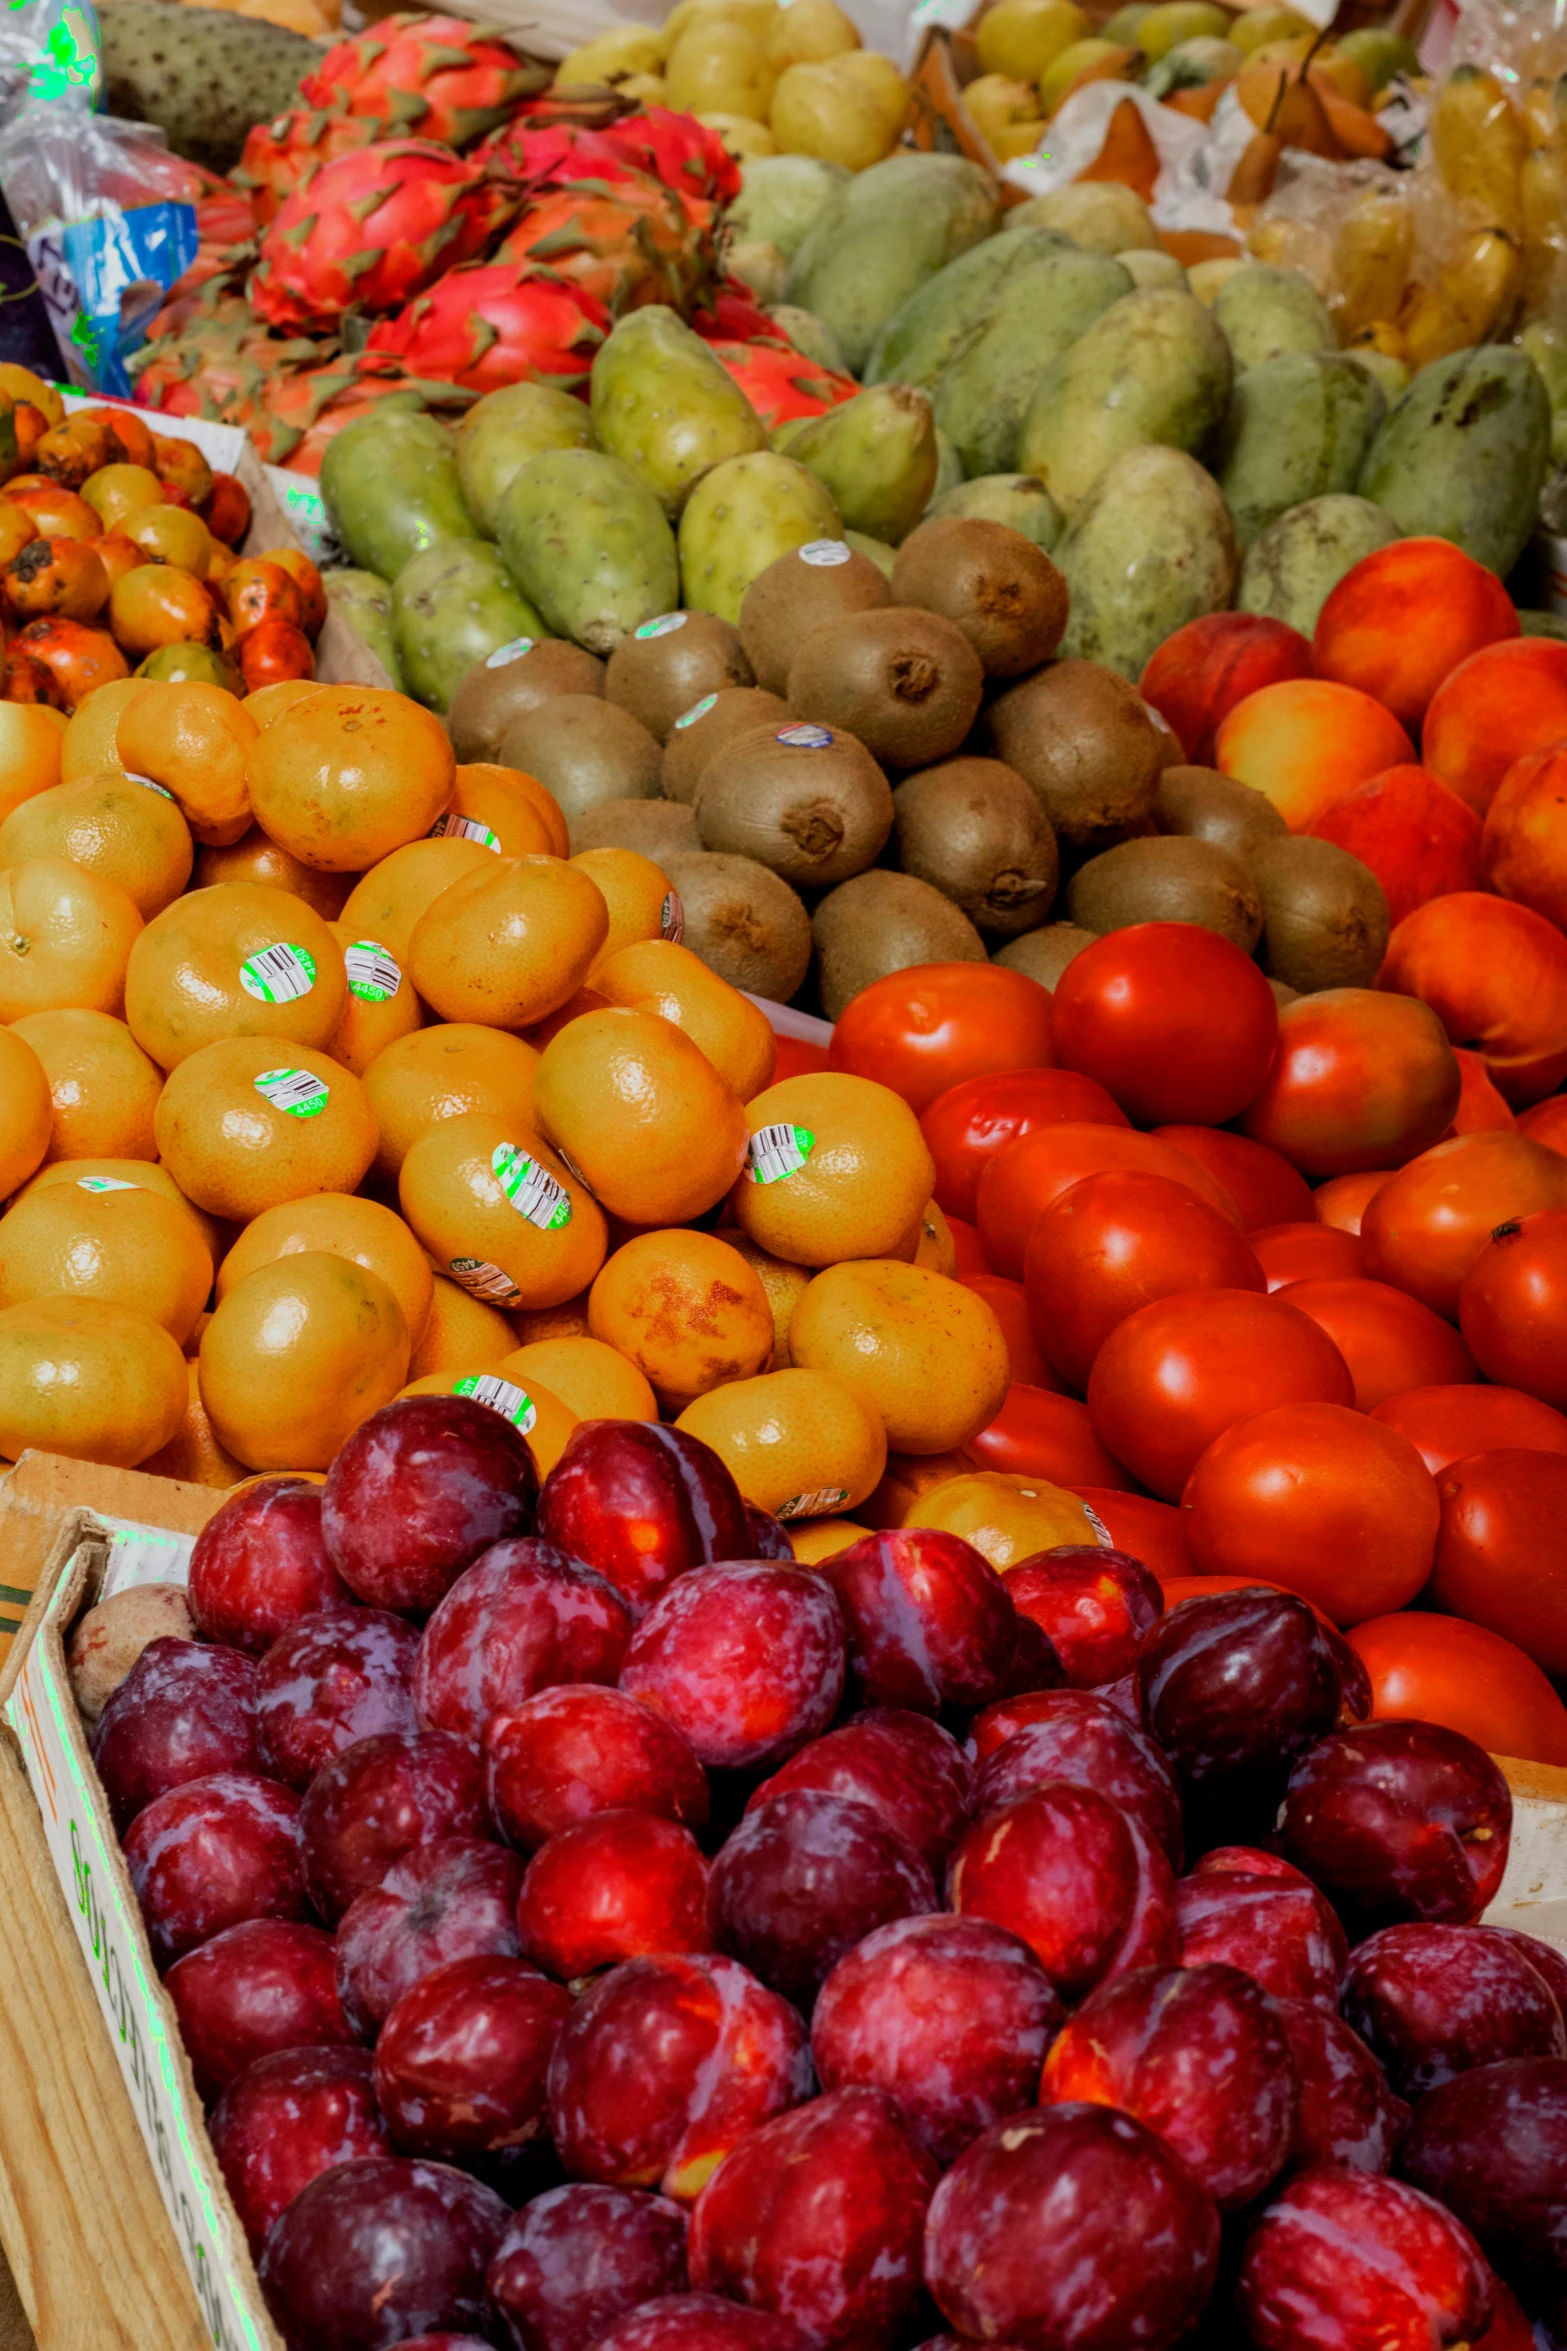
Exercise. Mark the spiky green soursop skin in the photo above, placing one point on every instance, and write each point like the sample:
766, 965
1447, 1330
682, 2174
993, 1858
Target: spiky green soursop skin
203, 75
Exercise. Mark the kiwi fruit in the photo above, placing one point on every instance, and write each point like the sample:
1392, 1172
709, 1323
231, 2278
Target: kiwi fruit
658, 670
821, 581
975, 832
1043, 955
497, 690
1172, 751
1325, 920
1166, 878
1084, 742
883, 922
584, 750
1001, 590
808, 802
654, 828
906, 683
1207, 806
707, 726
743, 922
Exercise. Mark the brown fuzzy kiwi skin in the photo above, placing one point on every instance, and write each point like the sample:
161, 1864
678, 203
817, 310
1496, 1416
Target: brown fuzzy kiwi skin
742, 921
816, 813
1166, 878
735, 710
1325, 919
975, 832
1082, 739
1043, 955
1204, 805
487, 700
793, 596
654, 828
661, 668
1001, 590
884, 922
906, 682
583, 750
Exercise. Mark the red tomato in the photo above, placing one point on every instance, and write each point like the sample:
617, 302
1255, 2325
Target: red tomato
1340, 1507
1010, 1308
1342, 1202
1306, 1253
1264, 1187
798, 1057
1023, 1179
1038, 1434
969, 1257
966, 1126
1547, 1122
1501, 1557
1513, 1307
1360, 1080
1177, 1374
1113, 1243
1150, 1531
1172, 1019
1444, 1424
1480, 1106
1390, 1342
1427, 1668
927, 1028
1426, 1226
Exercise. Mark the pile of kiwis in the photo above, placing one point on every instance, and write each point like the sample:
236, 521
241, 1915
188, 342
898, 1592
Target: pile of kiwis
872, 772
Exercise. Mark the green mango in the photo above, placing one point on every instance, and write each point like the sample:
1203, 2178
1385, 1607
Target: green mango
452, 606
1298, 428
505, 429
1383, 369
365, 603
782, 197
1176, 21
588, 544
949, 466
1380, 54
740, 518
1464, 453
1020, 500
392, 489
809, 334
985, 392
1153, 269
1150, 548
1123, 27
665, 406
1191, 65
1099, 216
1154, 367
932, 326
1291, 570
1546, 344
876, 454
1267, 312
883, 235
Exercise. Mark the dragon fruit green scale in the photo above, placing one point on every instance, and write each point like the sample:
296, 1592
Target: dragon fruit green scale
436, 75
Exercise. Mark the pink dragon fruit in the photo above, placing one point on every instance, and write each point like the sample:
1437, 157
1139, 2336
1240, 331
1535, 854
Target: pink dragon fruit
283, 156
299, 414
780, 382
436, 75
498, 322
546, 145
220, 364
626, 241
678, 150
371, 230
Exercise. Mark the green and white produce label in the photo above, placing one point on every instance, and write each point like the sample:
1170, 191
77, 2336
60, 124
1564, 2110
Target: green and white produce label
665, 625
106, 1184
280, 974
298, 1091
688, 718
531, 1189
512, 1403
373, 975
778, 1151
465, 828
513, 650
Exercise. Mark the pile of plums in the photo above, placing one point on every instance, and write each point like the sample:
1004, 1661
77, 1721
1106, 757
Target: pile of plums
589, 1928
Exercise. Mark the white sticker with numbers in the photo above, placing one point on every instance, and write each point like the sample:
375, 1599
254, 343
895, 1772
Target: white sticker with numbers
279, 974
512, 1403
298, 1091
531, 1189
373, 975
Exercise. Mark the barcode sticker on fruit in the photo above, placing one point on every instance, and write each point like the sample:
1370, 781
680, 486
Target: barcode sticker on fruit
1101, 1531
531, 1189
298, 1091
132, 777
665, 625
672, 918
105, 1184
482, 1280
825, 554
805, 738
812, 1505
464, 828
372, 973
778, 1151
513, 1404
513, 650
279, 974
688, 718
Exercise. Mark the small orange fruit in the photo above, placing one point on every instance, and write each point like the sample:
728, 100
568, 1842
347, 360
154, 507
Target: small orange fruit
814, 1539
104, 1088
115, 492
657, 975
297, 1355
837, 1168
306, 578
686, 1309
349, 773
594, 1381
346, 1227
194, 741
170, 534
783, 1284
801, 1444
193, 1454
32, 747
935, 1247
641, 900
458, 1331
387, 902
252, 1121
145, 1172
443, 1072
118, 555
508, 944
1007, 1518
88, 1379
253, 858
930, 1354
569, 1320
907, 1478
54, 511
16, 528
26, 1113
380, 1005
89, 745
238, 960
257, 590
500, 1213
503, 809
161, 604
109, 826
124, 1244
642, 1111
543, 1419
65, 938
270, 702
75, 658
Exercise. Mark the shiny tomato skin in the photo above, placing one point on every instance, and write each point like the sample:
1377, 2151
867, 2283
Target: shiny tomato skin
1512, 1308
1389, 1340
1361, 1080
1306, 1253
1445, 1423
1501, 1556
1038, 1434
1264, 1187
1342, 1201
1008, 1302
1427, 1225
1430, 1668
922, 1030
966, 1126
1023, 1179
1148, 1530
798, 1057
1173, 1020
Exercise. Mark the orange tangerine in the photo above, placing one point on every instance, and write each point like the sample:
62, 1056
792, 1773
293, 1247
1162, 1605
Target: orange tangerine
569, 1320
801, 1444
26, 1112
841, 1170
379, 1007
54, 511
193, 1454
270, 702
22, 384
594, 1381
104, 1088
65, 938
126, 1245
346, 1227
657, 975
16, 529
108, 826
500, 1213
387, 902
507, 944
642, 1111
642, 903
297, 1355
90, 731
252, 1121
194, 741
1006, 1517
145, 1172
935, 1247
89, 1379
238, 960
907, 1478
814, 1539
459, 1331
349, 773
503, 809
116, 491
32, 748
443, 1072
542, 1418
784, 1285
929, 1353
253, 858
686, 1309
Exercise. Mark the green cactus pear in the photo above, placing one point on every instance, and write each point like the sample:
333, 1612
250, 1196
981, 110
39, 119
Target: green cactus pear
587, 543
1020, 500
877, 455
506, 428
392, 489
365, 603
665, 406
740, 518
451, 607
